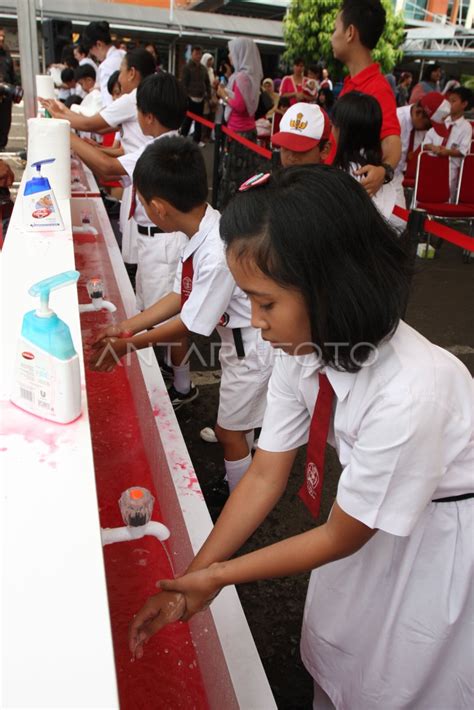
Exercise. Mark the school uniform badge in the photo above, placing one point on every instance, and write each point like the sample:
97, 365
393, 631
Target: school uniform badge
312, 479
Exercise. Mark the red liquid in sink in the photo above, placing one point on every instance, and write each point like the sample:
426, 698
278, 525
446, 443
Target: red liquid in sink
168, 675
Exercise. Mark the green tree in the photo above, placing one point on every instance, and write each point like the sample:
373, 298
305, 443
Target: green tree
309, 24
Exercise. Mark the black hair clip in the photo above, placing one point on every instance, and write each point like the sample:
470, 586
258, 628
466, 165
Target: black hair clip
255, 181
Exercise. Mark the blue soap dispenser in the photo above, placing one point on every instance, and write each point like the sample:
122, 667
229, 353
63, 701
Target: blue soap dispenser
41, 209
47, 378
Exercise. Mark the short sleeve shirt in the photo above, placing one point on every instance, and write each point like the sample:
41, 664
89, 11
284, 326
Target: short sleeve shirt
214, 291
406, 126
460, 136
403, 427
107, 67
128, 162
122, 114
371, 81
288, 86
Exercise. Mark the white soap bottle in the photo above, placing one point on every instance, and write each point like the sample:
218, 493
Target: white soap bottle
47, 377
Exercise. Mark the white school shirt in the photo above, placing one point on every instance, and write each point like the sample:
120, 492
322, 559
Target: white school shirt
460, 138
89, 60
214, 291
402, 427
406, 125
107, 67
122, 113
90, 105
385, 197
128, 161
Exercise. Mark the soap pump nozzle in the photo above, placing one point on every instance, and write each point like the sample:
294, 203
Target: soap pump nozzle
44, 288
39, 182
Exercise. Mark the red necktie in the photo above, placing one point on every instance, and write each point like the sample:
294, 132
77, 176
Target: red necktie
133, 203
447, 134
187, 274
311, 490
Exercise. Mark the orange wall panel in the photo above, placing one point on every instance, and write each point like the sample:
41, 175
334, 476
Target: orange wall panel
437, 7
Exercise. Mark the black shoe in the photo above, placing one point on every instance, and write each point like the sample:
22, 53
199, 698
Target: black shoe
178, 398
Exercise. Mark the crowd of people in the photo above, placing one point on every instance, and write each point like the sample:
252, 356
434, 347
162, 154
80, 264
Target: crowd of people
306, 281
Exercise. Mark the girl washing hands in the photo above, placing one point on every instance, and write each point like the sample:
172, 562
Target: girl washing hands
386, 621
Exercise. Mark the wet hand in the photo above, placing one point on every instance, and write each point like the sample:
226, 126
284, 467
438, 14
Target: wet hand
373, 177
112, 331
158, 611
105, 356
199, 588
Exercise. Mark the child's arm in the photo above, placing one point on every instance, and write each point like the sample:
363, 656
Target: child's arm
252, 500
117, 340
449, 152
374, 175
107, 354
105, 165
166, 307
114, 152
341, 536
92, 124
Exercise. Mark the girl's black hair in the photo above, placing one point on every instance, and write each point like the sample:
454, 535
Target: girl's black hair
329, 96
142, 61
314, 229
164, 97
358, 117
112, 81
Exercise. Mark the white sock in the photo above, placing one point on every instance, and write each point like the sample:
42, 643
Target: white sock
182, 378
234, 470
250, 438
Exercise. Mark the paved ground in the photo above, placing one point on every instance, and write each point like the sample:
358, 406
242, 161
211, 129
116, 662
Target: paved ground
441, 307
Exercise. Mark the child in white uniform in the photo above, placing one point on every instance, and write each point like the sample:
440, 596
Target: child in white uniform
161, 106
171, 180
388, 618
357, 122
415, 120
121, 113
455, 140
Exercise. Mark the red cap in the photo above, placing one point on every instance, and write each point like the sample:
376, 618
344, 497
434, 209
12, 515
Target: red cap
435, 105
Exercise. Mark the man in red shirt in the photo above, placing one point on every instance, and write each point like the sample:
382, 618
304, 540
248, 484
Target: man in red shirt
358, 28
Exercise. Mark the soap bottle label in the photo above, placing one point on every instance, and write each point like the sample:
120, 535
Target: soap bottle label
43, 211
36, 386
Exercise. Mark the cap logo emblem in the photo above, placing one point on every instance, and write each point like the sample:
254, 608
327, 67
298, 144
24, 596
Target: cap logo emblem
298, 123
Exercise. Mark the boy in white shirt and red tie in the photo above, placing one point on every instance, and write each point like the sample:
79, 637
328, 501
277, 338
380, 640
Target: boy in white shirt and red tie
161, 106
170, 178
454, 137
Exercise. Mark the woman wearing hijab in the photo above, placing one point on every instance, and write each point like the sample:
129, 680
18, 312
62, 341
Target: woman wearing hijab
240, 97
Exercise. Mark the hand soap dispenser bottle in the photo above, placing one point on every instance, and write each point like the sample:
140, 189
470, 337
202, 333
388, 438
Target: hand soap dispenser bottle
47, 378
41, 209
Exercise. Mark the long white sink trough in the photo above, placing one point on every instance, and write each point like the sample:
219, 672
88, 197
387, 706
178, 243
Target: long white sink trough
55, 622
